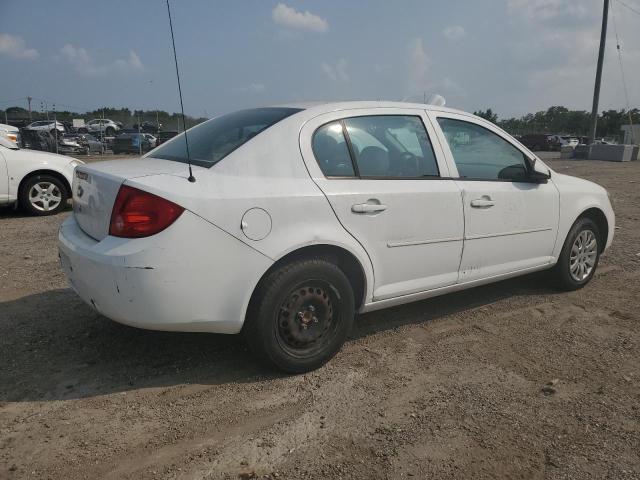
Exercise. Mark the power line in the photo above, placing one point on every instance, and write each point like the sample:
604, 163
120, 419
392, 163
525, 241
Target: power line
624, 81
634, 10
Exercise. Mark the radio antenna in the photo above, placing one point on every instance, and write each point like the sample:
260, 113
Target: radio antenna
184, 122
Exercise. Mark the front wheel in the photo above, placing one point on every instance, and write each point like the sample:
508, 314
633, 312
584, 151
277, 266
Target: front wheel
579, 257
301, 315
43, 195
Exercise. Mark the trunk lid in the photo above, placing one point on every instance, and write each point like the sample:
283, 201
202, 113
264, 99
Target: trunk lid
96, 185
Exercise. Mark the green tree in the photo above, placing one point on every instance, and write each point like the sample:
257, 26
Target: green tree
487, 115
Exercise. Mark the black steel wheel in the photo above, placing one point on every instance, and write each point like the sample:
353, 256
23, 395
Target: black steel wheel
306, 320
300, 315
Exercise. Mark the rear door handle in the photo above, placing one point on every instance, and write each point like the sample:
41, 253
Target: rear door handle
483, 202
368, 208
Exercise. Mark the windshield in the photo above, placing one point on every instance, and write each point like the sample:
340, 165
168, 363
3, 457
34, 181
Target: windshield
214, 139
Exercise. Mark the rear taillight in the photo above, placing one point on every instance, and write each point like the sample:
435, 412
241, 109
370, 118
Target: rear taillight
139, 214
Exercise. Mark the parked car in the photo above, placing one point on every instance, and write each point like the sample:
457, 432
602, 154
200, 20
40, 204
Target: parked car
46, 125
80, 144
540, 142
298, 217
153, 141
39, 182
566, 141
10, 133
38, 140
165, 135
130, 143
92, 143
597, 141
147, 127
101, 126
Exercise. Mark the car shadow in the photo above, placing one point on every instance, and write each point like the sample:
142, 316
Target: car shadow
54, 347
10, 211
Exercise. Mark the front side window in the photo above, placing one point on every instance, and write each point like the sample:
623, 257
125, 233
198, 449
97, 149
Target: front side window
380, 146
481, 154
214, 139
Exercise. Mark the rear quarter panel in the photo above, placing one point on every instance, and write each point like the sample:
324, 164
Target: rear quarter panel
267, 173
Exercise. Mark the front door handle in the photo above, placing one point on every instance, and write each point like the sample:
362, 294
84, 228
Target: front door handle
483, 202
368, 208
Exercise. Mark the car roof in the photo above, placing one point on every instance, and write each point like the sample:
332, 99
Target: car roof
318, 108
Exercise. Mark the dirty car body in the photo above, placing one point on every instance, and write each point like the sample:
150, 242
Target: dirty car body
302, 215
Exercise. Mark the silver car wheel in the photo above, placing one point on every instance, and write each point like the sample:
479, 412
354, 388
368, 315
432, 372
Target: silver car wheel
584, 253
45, 196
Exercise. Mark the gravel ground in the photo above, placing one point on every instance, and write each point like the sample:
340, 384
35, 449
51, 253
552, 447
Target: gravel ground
511, 380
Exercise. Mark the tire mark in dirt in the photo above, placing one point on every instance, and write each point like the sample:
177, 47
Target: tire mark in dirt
137, 462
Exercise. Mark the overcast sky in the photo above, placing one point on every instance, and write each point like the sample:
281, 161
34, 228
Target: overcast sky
515, 56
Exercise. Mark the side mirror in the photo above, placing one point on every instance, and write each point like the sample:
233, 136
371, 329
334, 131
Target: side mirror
539, 172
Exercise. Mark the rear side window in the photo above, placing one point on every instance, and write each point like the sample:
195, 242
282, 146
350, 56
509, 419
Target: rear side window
214, 139
377, 146
391, 146
481, 154
331, 151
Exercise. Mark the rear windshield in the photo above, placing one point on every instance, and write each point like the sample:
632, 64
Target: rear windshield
214, 139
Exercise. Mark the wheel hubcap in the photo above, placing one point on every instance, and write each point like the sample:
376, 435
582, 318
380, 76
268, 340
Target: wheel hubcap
584, 253
45, 196
307, 319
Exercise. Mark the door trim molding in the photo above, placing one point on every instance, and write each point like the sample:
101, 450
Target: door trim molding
505, 234
410, 243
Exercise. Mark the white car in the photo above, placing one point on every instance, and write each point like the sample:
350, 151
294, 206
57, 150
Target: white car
49, 126
153, 141
566, 141
101, 126
39, 182
301, 216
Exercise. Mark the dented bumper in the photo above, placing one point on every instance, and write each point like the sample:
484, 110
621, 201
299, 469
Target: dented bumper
199, 282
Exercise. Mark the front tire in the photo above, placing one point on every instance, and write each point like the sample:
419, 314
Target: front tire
579, 257
300, 315
43, 195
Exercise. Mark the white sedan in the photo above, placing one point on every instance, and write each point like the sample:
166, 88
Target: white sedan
301, 216
39, 182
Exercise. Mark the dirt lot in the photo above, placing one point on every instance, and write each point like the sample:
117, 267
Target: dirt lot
445, 388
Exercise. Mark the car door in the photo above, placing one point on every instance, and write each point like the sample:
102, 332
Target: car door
4, 177
388, 187
511, 221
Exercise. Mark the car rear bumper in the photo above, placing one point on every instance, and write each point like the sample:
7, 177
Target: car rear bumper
191, 277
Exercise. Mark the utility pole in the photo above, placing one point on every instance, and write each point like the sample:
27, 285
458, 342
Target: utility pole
139, 136
596, 90
29, 101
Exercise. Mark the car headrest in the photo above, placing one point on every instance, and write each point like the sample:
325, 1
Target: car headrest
373, 161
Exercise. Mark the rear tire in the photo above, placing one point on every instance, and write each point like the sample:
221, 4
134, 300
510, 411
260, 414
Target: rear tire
43, 195
579, 257
300, 315
110, 132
